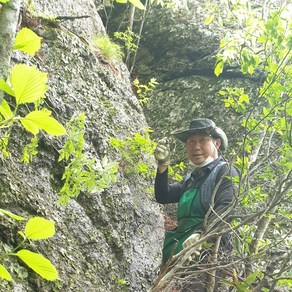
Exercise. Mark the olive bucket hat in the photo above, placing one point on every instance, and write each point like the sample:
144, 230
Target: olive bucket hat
203, 126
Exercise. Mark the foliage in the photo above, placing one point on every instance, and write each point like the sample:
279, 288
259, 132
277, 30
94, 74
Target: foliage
175, 172
27, 41
136, 3
122, 284
262, 45
81, 173
108, 48
36, 228
128, 37
143, 90
133, 22
135, 153
26, 85
258, 43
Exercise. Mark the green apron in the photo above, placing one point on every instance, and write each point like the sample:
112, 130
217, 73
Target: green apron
190, 216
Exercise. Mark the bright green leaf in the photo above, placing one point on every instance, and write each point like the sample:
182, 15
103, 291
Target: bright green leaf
41, 120
122, 1
39, 228
4, 1
243, 98
5, 87
219, 68
209, 19
11, 215
39, 264
29, 83
27, 41
30, 126
5, 110
138, 4
289, 108
4, 274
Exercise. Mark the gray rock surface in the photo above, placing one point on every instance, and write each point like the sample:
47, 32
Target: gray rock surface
101, 238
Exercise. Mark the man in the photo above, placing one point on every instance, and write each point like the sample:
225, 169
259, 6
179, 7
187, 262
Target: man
211, 174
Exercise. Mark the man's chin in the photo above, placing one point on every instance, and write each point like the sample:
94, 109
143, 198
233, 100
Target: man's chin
198, 161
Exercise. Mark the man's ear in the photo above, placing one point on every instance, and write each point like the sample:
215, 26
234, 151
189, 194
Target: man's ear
217, 143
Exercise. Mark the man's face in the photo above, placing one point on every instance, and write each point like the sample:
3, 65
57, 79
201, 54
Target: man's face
200, 147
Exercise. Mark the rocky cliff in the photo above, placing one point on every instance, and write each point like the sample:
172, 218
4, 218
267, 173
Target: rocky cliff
108, 241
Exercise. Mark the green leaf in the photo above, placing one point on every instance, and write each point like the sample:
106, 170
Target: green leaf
11, 215
122, 1
4, 274
5, 110
4, 1
29, 83
39, 228
138, 4
209, 19
5, 87
289, 108
219, 68
41, 120
243, 98
39, 264
27, 41
251, 278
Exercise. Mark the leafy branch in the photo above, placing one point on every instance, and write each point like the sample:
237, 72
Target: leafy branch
36, 228
82, 174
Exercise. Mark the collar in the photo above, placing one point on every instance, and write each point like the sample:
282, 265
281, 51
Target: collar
207, 168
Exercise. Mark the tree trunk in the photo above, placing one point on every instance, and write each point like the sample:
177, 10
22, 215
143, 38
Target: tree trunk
9, 15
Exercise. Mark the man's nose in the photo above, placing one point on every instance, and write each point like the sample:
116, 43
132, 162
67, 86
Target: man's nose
196, 145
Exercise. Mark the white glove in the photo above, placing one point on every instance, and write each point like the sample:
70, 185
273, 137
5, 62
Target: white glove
162, 152
191, 240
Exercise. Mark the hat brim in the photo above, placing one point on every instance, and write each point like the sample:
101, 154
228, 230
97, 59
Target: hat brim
183, 135
217, 133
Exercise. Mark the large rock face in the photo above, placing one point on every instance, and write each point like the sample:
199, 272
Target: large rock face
107, 241
179, 49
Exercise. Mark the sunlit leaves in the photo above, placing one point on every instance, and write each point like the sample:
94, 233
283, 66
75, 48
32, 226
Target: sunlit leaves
5, 110
235, 98
134, 149
209, 19
136, 3
39, 228
36, 228
30, 150
27, 41
4, 274
6, 88
41, 120
11, 215
82, 173
39, 264
219, 68
249, 62
29, 83
289, 108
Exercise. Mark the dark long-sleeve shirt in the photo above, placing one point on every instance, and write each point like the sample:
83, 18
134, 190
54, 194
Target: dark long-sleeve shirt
221, 182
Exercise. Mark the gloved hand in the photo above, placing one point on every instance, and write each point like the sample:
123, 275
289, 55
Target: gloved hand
162, 152
191, 240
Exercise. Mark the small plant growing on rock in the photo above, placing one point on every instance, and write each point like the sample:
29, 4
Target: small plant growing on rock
81, 172
108, 48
